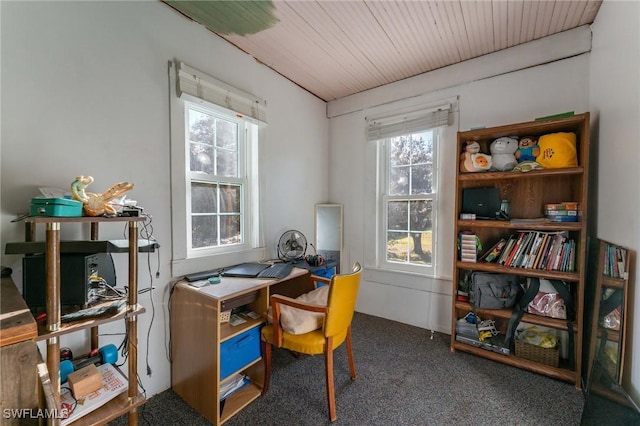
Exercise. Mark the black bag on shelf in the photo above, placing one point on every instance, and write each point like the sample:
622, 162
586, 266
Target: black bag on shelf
494, 291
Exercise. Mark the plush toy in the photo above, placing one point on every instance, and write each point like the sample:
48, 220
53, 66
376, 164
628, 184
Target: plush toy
502, 153
558, 150
528, 149
472, 160
477, 162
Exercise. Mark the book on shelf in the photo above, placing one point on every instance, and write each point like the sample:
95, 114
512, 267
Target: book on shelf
522, 240
493, 253
113, 384
615, 261
516, 245
506, 250
545, 250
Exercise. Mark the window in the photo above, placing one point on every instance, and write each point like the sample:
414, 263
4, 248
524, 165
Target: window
217, 179
214, 172
407, 189
408, 198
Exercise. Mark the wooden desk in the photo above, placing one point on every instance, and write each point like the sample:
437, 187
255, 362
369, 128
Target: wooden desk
197, 333
18, 355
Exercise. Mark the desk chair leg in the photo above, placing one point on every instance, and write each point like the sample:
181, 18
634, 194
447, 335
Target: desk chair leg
331, 394
266, 351
352, 364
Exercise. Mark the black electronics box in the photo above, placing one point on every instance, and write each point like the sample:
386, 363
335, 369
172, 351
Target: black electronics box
76, 270
483, 202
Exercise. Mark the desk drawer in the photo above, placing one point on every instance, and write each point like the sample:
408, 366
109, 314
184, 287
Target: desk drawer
239, 351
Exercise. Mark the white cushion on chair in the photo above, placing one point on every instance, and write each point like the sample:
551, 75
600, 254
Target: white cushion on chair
298, 321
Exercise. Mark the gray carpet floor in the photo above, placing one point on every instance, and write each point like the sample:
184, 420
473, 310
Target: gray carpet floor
404, 377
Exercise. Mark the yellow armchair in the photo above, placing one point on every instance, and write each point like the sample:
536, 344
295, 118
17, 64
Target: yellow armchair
336, 329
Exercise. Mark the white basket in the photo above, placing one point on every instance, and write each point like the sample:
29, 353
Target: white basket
225, 316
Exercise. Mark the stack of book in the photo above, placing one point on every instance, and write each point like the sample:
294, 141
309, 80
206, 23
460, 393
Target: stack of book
468, 247
615, 261
551, 251
567, 211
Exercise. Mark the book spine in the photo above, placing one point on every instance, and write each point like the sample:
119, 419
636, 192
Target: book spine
494, 252
543, 247
507, 250
515, 249
535, 248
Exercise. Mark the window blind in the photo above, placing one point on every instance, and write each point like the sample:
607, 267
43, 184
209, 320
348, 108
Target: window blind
195, 83
388, 127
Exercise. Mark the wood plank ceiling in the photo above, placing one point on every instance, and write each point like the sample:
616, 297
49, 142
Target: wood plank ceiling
337, 48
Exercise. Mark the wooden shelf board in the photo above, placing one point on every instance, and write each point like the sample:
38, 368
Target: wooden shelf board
227, 331
239, 400
79, 246
576, 123
481, 176
506, 314
113, 409
541, 273
16, 322
553, 372
504, 224
83, 219
611, 282
44, 334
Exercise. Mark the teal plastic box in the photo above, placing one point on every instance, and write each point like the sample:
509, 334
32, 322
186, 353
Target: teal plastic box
239, 351
55, 207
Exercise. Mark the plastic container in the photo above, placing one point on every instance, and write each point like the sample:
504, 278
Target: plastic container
55, 207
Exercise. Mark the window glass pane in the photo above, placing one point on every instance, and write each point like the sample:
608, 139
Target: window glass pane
399, 180
422, 147
421, 248
400, 150
201, 127
226, 134
204, 231
227, 163
421, 179
230, 229
397, 246
229, 199
397, 215
421, 211
201, 136
227, 148
204, 198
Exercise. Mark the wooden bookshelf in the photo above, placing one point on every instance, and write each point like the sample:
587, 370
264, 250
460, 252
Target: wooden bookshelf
527, 192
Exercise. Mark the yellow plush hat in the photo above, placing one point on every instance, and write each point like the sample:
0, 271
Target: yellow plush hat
557, 150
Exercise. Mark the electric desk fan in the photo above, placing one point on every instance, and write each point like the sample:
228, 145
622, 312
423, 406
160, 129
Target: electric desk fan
292, 246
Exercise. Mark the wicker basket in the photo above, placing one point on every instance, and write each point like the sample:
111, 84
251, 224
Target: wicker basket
547, 356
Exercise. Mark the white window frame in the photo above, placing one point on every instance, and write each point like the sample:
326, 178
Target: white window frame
185, 259
375, 270
384, 170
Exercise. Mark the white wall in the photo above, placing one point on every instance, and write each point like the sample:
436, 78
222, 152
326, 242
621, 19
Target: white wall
615, 104
526, 92
84, 90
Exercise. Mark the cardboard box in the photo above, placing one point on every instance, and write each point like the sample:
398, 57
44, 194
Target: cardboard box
84, 381
55, 207
239, 351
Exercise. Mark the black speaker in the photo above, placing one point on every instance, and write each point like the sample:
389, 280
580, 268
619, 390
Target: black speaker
76, 270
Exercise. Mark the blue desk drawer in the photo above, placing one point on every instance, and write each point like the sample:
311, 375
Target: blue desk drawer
239, 351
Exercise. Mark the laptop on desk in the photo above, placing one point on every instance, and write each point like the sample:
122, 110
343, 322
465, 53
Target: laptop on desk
246, 270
